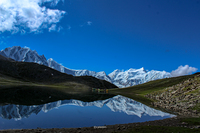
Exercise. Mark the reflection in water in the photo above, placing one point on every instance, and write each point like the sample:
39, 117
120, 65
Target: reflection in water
116, 104
23, 95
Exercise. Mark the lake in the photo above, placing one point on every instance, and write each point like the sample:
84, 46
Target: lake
76, 113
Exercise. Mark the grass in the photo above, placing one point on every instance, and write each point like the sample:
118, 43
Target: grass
193, 92
9, 82
161, 129
191, 121
197, 107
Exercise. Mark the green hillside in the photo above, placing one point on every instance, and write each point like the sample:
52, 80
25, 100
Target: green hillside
138, 92
13, 73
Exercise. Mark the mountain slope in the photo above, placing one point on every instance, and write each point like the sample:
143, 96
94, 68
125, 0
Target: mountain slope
120, 78
182, 98
33, 72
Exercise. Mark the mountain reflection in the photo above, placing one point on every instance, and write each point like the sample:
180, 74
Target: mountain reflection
116, 104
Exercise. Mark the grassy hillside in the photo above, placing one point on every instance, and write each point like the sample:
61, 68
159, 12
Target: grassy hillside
182, 98
20, 73
138, 92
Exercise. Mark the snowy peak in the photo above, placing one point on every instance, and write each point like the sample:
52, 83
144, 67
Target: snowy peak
136, 76
24, 54
113, 74
118, 74
85, 72
100, 75
136, 70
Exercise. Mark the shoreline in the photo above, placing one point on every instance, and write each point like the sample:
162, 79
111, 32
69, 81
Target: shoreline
168, 122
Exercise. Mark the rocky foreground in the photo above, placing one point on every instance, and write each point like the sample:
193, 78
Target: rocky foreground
182, 98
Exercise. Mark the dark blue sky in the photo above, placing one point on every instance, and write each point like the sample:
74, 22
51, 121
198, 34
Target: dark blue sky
104, 35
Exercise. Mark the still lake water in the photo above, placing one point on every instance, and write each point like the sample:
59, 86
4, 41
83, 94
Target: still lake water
75, 113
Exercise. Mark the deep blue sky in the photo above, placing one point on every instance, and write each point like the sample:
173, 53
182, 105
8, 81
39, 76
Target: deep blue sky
154, 34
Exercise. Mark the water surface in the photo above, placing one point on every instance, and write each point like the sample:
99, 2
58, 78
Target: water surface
76, 113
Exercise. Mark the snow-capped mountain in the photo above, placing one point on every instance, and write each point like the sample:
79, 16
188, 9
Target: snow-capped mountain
118, 77
24, 54
53, 64
116, 104
135, 76
100, 75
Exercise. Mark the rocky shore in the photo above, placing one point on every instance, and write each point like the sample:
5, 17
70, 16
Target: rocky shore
182, 98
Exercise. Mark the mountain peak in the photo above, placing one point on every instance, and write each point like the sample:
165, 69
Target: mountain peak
23, 54
102, 73
26, 47
140, 69
117, 70
50, 59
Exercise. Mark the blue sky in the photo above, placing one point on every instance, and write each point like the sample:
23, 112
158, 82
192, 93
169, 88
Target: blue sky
104, 35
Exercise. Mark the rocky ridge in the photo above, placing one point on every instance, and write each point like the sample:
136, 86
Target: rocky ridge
182, 98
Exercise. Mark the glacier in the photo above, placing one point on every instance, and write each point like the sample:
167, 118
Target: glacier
120, 78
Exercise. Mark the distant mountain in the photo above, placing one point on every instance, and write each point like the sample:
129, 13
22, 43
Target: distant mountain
136, 76
119, 78
100, 75
116, 104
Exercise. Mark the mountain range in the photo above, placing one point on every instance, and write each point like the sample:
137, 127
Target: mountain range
118, 77
116, 104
